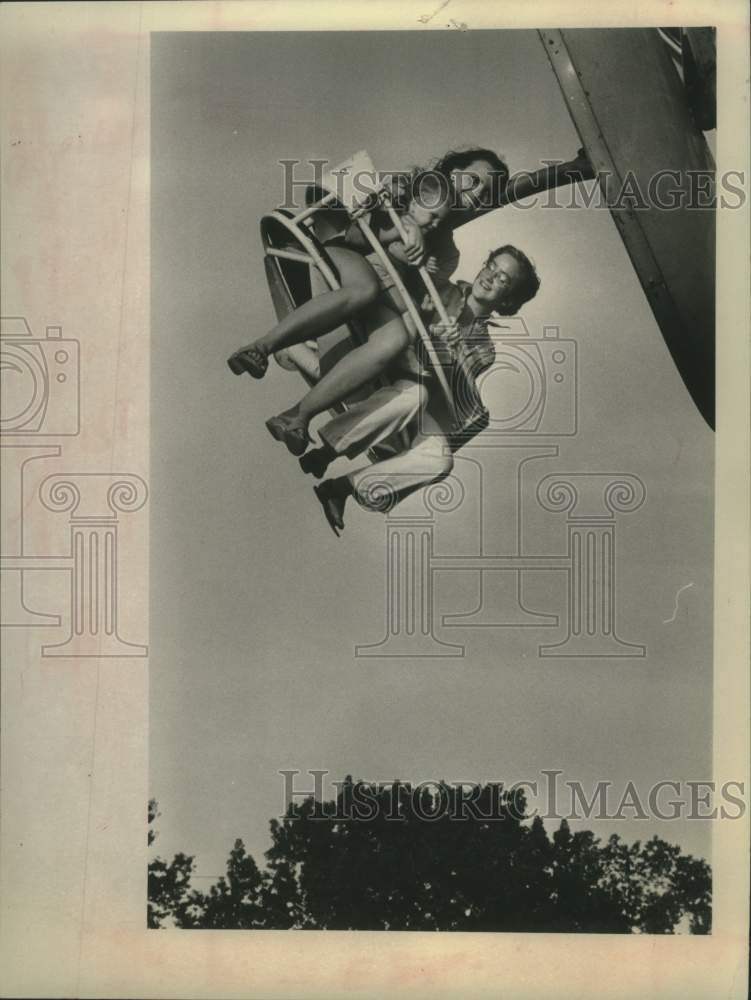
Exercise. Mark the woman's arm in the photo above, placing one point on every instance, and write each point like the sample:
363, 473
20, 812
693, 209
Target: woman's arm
398, 253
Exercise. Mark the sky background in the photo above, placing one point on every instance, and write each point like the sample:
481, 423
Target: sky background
255, 606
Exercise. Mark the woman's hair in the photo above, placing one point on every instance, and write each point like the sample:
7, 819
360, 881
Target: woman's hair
529, 283
460, 159
437, 183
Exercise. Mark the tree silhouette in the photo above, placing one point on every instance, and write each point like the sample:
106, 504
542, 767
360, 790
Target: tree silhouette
168, 884
233, 902
583, 903
436, 857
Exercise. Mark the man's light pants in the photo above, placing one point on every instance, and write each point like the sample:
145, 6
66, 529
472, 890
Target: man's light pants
394, 408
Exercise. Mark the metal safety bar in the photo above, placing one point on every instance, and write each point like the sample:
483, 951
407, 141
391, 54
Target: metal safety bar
313, 256
411, 307
315, 207
290, 255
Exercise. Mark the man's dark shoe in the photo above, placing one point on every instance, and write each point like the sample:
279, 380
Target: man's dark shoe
333, 503
315, 462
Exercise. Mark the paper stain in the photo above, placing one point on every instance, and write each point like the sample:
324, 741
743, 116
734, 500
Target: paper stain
667, 621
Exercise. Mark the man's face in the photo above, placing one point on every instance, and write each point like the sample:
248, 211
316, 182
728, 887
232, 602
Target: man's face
497, 281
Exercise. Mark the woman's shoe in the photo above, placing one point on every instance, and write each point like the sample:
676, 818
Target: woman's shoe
290, 432
251, 360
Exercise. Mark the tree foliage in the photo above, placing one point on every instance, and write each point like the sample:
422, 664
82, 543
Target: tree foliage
394, 858
168, 884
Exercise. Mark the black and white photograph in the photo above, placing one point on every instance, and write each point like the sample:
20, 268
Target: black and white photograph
372, 517
431, 626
